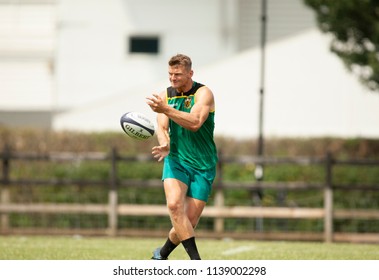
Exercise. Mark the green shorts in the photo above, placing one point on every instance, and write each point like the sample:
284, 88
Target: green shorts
199, 182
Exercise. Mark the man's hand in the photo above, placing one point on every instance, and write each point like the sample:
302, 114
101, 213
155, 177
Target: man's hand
156, 103
160, 152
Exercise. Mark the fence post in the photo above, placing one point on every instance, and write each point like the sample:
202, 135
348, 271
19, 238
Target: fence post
328, 200
112, 195
219, 195
5, 194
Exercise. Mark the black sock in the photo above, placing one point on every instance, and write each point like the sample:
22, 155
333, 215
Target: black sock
167, 248
191, 248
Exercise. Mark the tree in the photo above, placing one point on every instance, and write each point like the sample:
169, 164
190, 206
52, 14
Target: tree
354, 26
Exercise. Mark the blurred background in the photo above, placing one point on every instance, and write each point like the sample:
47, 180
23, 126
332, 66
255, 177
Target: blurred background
79, 65
299, 76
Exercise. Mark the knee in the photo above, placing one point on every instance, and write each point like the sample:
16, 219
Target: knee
174, 207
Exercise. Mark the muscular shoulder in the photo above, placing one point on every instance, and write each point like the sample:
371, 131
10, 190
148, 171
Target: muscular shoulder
205, 95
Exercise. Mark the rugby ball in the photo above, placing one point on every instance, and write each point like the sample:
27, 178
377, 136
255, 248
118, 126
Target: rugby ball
137, 125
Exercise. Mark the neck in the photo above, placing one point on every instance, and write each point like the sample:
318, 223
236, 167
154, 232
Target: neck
186, 87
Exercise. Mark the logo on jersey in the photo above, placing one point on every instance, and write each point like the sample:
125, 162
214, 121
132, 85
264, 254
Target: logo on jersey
187, 102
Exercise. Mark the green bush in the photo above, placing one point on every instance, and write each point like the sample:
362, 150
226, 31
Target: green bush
42, 142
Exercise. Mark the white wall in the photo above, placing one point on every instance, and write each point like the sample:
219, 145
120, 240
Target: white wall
93, 59
27, 41
308, 92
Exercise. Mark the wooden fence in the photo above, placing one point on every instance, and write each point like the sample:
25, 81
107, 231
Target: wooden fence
218, 211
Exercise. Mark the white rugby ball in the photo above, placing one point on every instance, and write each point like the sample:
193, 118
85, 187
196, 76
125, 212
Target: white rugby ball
137, 125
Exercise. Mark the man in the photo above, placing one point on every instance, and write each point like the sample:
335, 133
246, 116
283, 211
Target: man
185, 135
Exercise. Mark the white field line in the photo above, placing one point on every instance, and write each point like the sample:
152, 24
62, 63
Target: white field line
238, 250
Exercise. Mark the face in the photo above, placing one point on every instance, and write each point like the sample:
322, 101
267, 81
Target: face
179, 77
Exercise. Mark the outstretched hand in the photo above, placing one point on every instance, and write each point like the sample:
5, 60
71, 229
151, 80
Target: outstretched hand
156, 103
160, 152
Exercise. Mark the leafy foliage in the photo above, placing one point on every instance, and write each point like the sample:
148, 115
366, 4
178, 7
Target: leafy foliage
34, 141
354, 25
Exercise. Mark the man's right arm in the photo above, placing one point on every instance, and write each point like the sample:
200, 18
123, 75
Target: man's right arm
161, 151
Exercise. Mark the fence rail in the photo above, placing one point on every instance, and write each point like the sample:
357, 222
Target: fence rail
219, 211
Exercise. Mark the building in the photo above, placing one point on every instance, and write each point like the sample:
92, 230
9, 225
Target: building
108, 55
27, 46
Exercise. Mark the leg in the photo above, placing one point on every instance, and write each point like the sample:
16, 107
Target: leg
194, 208
184, 213
175, 192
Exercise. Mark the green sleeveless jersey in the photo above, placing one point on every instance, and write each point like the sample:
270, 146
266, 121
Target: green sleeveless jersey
194, 148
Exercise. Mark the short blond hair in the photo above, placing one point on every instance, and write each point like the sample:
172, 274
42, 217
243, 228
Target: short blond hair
181, 59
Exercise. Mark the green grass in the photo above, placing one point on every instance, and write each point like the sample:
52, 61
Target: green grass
85, 248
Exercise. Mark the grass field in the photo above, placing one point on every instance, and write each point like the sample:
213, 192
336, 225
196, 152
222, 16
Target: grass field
83, 248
